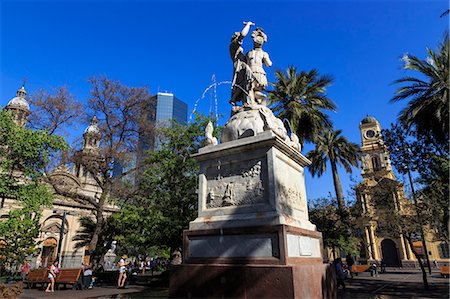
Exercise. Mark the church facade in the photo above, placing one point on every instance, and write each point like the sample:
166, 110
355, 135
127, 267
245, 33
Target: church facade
379, 181
60, 223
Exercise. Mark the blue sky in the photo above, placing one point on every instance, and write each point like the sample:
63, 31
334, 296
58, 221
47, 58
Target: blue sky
177, 46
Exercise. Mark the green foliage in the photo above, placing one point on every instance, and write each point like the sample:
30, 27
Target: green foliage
333, 147
428, 108
24, 154
414, 152
84, 235
301, 98
167, 200
336, 227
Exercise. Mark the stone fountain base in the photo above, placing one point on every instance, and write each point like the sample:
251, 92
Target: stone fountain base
252, 237
255, 262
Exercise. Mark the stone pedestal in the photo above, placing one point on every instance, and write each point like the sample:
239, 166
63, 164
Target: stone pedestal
252, 237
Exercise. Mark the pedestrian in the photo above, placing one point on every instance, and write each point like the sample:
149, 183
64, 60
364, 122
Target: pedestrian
383, 266
122, 272
350, 262
374, 270
52, 272
436, 265
87, 278
340, 275
25, 269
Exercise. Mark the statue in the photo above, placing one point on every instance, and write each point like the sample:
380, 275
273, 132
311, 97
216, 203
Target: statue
249, 77
209, 138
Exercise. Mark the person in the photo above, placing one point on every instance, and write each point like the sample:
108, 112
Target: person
52, 272
87, 277
122, 271
340, 275
25, 269
374, 270
436, 265
383, 266
350, 262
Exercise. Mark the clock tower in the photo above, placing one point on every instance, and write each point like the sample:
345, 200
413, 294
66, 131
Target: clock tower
379, 183
374, 157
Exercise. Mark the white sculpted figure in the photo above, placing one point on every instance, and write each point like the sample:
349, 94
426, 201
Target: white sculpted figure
249, 77
209, 138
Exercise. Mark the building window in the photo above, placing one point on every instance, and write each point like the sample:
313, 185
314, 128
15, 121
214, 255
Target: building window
376, 165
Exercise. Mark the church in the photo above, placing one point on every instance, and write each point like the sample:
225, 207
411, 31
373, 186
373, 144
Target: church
60, 223
377, 175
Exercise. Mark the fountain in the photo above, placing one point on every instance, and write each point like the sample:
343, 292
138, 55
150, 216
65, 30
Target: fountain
252, 237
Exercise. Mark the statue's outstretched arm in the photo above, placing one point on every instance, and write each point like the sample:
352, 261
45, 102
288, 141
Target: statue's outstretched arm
246, 29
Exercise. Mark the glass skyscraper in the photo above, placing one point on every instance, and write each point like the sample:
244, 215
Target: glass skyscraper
155, 113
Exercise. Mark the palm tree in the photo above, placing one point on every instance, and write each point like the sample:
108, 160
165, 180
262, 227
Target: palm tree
427, 110
332, 146
301, 98
84, 235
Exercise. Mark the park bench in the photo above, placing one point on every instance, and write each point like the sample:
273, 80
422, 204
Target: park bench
69, 276
445, 271
36, 276
360, 268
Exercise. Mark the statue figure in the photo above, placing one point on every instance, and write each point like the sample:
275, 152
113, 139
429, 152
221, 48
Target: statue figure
242, 74
255, 59
249, 78
209, 138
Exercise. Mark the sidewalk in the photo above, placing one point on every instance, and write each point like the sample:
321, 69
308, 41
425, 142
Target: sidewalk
97, 292
398, 283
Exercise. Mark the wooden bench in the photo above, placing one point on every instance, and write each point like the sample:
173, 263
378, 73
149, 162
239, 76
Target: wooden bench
36, 276
69, 276
360, 268
445, 271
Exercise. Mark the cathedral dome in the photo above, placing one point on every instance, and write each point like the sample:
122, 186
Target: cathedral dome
369, 120
19, 102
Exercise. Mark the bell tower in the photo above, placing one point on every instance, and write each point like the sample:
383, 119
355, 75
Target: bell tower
379, 185
20, 107
374, 157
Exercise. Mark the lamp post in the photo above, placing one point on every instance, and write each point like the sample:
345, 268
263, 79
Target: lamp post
61, 236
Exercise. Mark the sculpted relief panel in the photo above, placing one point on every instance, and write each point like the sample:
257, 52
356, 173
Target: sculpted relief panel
291, 193
236, 184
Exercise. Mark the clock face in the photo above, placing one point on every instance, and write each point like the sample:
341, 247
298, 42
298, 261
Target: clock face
370, 134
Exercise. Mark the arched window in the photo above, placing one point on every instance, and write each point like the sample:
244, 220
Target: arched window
376, 165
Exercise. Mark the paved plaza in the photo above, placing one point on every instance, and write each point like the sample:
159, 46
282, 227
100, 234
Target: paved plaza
98, 292
396, 283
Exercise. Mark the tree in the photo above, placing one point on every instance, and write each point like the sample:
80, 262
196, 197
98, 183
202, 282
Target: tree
398, 219
167, 199
301, 98
428, 108
84, 236
117, 108
333, 147
337, 232
23, 155
54, 111
410, 152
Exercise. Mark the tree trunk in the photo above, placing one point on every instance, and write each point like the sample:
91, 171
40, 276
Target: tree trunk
98, 225
337, 186
424, 273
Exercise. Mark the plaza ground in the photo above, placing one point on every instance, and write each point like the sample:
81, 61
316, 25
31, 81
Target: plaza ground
396, 283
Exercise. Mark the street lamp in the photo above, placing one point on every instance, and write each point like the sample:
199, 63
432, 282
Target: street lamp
61, 234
